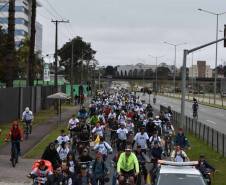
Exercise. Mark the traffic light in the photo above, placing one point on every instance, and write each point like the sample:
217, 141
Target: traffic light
225, 36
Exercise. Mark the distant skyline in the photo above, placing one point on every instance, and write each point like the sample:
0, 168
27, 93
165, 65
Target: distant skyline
123, 32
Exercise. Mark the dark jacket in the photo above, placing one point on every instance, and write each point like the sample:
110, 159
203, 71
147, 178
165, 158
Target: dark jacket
181, 140
52, 156
203, 166
156, 152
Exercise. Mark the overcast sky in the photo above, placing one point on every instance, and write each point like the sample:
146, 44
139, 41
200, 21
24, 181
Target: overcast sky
127, 31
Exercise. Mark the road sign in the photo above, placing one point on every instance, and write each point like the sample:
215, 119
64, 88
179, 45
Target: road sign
46, 73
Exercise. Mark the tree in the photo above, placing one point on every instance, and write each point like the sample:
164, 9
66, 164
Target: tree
109, 70
31, 60
82, 52
9, 58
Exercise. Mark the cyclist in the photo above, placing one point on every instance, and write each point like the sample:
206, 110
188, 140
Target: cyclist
63, 137
83, 177
82, 113
72, 124
104, 148
15, 134
63, 151
141, 159
98, 129
158, 123
27, 118
121, 136
41, 174
127, 166
195, 107
98, 170
205, 168
141, 138
50, 154
181, 140
156, 151
178, 155
154, 138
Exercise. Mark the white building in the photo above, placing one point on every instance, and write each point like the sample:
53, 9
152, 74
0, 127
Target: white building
22, 18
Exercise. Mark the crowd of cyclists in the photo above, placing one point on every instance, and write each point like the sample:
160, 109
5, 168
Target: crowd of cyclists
118, 137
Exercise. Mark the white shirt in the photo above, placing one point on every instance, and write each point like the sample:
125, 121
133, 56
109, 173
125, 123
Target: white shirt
98, 130
178, 156
130, 126
63, 152
103, 148
122, 133
111, 115
157, 122
65, 138
73, 123
27, 116
154, 138
141, 139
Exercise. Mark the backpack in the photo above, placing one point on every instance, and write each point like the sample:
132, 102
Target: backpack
95, 163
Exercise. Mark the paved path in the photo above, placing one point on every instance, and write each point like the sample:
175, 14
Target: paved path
213, 117
17, 175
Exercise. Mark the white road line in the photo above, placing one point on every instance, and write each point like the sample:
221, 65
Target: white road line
211, 122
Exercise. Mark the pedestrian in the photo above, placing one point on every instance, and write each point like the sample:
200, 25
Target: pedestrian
51, 155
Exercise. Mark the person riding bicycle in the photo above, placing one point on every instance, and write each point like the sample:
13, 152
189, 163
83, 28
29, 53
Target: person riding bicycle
179, 155
127, 166
141, 159
27, 118
104, 148
203, 166
154, 138
141, 139
82, 113
130, 125
72, 124
63, 137
41, 174
158, 122
15, 134
181, 140
98, 170
121, 136
156, 151
195, 107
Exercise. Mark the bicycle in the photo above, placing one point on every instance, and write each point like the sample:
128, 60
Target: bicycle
27, 129
14, 153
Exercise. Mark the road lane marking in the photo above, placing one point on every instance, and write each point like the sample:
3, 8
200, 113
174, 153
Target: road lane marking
211, 122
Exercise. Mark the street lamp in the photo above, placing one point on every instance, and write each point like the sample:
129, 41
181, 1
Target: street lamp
175, 61
217, 27
156, 70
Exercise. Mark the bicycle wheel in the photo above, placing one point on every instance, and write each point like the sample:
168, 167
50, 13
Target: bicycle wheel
14, 157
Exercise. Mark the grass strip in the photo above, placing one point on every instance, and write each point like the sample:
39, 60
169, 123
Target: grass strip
39, 118
214, 158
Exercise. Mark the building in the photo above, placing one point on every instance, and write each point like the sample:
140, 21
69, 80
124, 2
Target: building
22, 19
140, 70
201, 70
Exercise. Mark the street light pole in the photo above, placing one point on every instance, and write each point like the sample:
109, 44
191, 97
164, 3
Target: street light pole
216, 57
175, 62
156, 70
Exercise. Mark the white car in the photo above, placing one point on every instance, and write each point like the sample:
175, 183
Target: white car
179, 173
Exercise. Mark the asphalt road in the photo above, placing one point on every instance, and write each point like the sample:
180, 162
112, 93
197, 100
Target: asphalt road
213, 117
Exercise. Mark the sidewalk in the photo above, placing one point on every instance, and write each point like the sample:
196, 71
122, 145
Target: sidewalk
17, 175
40, 131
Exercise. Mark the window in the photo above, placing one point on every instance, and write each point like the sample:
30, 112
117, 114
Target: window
17, 9
17, 21
20, 33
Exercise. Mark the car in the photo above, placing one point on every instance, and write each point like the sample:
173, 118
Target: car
178, 173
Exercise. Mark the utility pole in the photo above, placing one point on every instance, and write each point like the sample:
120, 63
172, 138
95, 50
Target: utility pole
56, 51
72, 71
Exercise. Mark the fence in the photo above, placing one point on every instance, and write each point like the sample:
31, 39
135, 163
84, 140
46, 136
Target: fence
14, 100
215, 139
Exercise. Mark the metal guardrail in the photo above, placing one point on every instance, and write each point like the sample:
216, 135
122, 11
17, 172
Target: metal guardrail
215, 139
